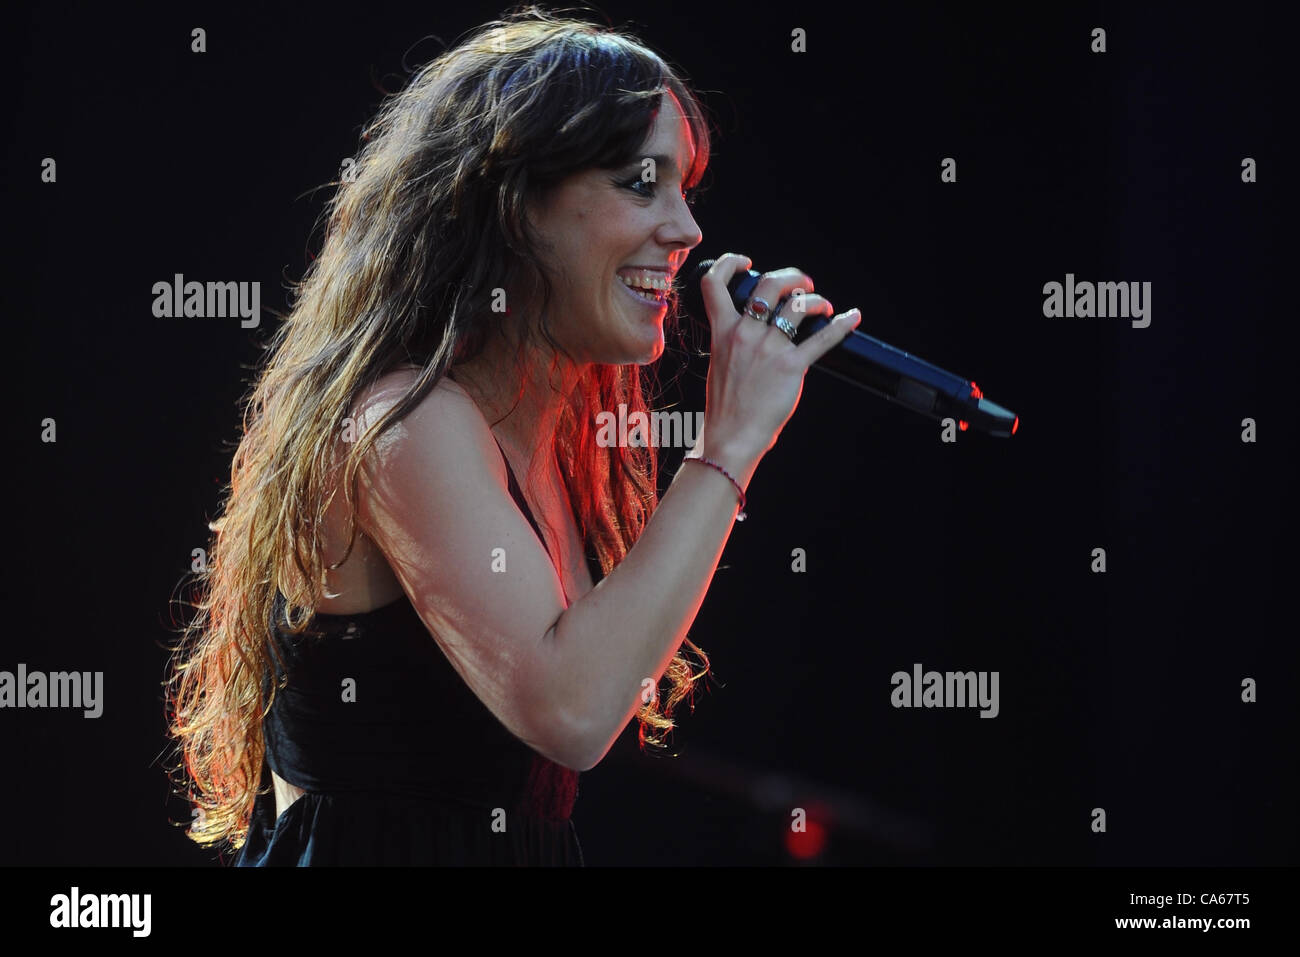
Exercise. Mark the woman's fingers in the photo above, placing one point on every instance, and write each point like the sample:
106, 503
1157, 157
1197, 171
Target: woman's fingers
824, 340
799, 307
756, 372
713, 286
789, 288
779, 284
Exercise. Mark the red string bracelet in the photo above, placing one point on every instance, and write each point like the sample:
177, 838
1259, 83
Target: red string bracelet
740, 516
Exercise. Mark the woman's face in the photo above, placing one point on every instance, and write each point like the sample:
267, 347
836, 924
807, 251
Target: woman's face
600, 225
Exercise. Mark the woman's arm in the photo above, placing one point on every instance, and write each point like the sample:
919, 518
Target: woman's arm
435, 498
604, 647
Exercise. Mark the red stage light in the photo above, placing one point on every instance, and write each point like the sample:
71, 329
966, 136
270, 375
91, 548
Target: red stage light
807, 844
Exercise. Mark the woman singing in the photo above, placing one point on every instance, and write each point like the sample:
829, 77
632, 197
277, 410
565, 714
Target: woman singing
433, 597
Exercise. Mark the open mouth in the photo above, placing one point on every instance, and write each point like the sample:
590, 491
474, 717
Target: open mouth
649, 289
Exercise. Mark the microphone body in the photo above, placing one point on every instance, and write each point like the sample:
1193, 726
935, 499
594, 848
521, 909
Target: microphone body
884, 370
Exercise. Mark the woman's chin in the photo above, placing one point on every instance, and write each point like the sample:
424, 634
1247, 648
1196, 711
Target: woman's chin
641, 347
650, 349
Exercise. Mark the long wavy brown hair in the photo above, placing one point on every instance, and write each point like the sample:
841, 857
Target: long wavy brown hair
433, 221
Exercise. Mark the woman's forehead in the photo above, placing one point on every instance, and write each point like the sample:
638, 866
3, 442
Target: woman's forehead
671, 137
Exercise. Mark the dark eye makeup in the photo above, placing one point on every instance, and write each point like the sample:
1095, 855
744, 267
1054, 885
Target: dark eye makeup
646, 190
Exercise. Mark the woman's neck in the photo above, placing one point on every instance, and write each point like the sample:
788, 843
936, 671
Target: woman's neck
523, 420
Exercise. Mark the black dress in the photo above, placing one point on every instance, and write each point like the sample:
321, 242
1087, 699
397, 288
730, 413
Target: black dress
416, 770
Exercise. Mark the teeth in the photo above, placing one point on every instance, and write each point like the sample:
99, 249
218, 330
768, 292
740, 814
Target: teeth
645, 280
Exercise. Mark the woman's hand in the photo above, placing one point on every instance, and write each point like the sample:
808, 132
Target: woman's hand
755, 372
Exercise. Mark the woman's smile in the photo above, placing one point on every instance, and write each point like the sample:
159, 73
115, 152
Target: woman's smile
651, 299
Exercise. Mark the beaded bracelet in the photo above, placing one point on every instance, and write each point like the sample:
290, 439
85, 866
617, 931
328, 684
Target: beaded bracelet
740, 516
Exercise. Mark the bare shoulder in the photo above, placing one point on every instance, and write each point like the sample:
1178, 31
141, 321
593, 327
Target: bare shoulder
446, 419
375, 400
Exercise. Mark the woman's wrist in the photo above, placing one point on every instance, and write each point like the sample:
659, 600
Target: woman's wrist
708, 462
736, 459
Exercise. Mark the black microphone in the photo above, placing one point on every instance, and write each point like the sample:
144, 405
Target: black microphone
880, 368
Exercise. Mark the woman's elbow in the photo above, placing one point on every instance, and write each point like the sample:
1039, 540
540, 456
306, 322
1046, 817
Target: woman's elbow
582, 747
566, 737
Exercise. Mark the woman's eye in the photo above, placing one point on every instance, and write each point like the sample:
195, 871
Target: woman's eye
646, 190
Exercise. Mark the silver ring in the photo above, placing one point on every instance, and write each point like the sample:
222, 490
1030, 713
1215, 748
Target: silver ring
765, 315
785, 325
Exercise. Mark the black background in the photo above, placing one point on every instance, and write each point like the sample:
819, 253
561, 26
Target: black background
1120, 691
